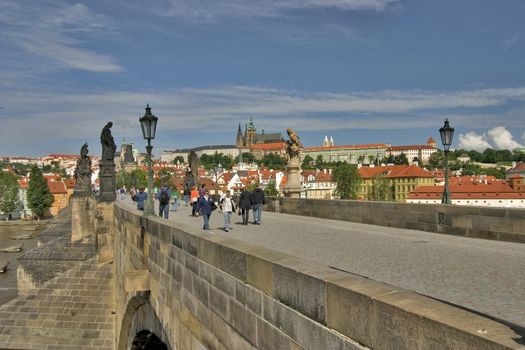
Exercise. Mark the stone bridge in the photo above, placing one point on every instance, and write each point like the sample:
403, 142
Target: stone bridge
195, 289
168, 284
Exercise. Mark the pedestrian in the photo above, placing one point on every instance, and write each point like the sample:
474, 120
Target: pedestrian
174, 194
205, 206
258, 201
186, 195
194, 195
122, 192
245, 204
202, 190
133, 193
163, 196
227, 206
140, 197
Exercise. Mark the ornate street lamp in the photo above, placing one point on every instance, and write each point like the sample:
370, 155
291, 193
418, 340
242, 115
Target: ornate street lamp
446, 133
148, 123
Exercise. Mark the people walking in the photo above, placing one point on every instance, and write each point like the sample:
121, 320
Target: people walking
140, 197
122, 192
245, 204
163, 196
194, 196
258, 201
186, 195
227, 206
205, 207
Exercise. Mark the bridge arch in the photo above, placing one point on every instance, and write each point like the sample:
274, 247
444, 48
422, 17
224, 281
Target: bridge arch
141, 327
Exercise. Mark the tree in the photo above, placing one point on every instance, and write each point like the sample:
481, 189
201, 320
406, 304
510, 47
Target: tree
401, 159
8, 192
436, 159
381, 190
270, 189
122, 178
489, 156
163, 178
319, 161
135, 178
348, 180
178, 159
308, 162
39, 197
247, 157
273, 161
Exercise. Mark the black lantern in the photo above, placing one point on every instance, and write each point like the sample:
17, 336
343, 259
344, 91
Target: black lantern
148, 123
446, 133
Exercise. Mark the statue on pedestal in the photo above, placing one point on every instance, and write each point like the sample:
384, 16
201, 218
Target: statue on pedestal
107, 165
83, 171
108, 144
293, 150
293, 145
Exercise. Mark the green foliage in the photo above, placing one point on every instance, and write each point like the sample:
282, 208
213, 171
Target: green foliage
8, 192
319, 161
401, 159
39, 196
381, 189
163, 178
251, 187
135, 177
210, 162
273, 161
436, 159
308, 162
270, 189
247, 158
178, 159
470, 169
20, 169
348, 180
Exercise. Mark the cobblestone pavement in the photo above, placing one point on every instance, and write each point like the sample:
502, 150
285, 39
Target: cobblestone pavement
70, 311
483, 275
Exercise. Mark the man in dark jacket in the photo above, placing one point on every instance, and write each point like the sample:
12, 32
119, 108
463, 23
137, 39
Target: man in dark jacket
245, 204
257, 202
205, 206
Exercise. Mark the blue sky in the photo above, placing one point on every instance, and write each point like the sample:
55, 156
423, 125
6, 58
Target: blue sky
362, 71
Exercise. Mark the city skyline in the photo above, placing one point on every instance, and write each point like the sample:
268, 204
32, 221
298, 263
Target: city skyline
362, 71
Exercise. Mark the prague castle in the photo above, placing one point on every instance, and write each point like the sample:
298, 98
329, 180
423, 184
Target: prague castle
250, 137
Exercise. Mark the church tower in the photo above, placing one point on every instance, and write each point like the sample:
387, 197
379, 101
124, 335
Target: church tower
326, 143
250, 133
239, 143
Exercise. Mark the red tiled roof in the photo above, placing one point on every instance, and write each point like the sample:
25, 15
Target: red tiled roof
269, 146
70, 183
65, 156
408, 171
516, 176
57, 187
370, 172
430, 140
326, 148
520, 166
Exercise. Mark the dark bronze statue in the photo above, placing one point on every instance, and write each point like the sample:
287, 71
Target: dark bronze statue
108, 144
192, 174
83, 171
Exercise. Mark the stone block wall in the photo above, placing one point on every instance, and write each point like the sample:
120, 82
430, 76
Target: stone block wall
209, 291
504, 224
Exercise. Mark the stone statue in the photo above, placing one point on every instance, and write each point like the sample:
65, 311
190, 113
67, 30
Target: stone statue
108, 144
192, 174
83, 171
293, 145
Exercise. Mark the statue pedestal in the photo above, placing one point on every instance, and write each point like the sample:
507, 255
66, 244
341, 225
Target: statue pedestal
292, 189
83, 209
107, 182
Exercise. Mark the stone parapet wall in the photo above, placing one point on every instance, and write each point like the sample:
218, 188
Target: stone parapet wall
209, 291
503, 224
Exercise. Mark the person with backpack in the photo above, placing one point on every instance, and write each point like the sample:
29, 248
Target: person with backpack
227, 206
140, 197
163, 196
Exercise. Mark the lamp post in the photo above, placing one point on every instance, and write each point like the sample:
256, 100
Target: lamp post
148, 123
446, 133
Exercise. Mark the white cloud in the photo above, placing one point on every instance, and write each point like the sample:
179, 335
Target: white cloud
208, 10
50, 30
473, 141
502, 138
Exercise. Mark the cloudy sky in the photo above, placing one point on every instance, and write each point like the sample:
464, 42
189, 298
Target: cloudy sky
362, 71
